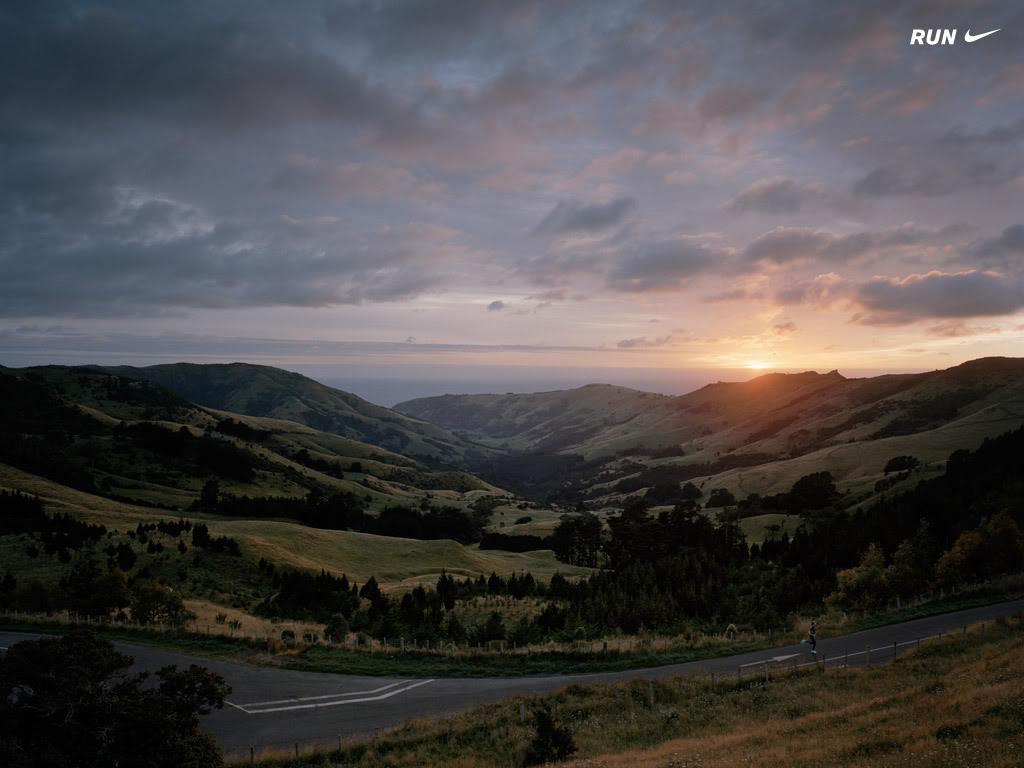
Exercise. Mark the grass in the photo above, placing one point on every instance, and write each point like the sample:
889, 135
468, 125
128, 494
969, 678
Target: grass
341, 658
756, 528
956, 702
396, 563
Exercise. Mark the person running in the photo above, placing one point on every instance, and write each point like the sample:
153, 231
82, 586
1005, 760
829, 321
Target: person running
813, 640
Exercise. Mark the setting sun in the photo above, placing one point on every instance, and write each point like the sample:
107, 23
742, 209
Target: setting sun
756, 365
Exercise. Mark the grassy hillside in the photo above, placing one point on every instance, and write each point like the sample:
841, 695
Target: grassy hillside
259, 390
752, 437
134, 440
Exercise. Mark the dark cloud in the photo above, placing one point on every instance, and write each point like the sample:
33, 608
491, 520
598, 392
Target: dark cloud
199, 64
496, 306
784, 245
781, 329
890, 301
775, 195
1005, 252
572, 216
934, 180
155, 255
662, 266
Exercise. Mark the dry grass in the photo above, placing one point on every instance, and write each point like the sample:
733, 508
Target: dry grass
956, 702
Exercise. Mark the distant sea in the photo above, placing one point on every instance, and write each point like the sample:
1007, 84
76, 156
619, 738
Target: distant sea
395, 388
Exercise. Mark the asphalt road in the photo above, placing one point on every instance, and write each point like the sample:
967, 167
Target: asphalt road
273, 707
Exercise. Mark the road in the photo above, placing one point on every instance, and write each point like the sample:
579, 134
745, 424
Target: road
273, 707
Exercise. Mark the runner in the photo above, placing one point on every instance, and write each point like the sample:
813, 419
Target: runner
813, 641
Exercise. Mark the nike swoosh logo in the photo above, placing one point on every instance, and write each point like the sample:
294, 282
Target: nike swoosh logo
969, 38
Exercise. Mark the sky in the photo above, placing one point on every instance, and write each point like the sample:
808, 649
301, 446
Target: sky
440, 188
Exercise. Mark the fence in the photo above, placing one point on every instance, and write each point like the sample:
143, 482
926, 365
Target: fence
759, 672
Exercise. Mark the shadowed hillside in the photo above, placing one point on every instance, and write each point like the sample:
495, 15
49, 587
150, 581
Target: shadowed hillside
260, 390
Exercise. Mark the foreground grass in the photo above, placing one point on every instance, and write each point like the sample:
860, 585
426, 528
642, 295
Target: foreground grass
955, 702
473, 663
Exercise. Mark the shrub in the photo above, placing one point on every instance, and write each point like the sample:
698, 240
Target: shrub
551, 742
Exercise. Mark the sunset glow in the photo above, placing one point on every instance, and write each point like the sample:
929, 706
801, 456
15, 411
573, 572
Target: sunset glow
578, 185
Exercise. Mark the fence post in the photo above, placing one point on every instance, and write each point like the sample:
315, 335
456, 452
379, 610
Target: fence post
965, 630
766, 671
339, 742
893, 651
919, 643
522, 712
867, 655
739, 673
402, 640
252, 754
296, 750
650, 691
846, 659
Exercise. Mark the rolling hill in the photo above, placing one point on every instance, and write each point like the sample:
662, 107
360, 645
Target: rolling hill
755, 436
135, 440
264, 391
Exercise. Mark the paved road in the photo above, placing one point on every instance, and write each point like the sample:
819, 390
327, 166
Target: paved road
278, 707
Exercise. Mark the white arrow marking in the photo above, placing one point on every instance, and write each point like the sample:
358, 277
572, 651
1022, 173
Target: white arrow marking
325, 696
336, 703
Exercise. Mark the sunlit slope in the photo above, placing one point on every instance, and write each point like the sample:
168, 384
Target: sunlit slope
776, 415
393, 561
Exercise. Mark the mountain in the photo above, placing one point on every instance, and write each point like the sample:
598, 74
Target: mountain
755, 436
260, 390
134, 440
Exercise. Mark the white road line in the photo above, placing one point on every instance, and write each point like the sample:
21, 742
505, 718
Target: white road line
325, 696
336, 703
236, 706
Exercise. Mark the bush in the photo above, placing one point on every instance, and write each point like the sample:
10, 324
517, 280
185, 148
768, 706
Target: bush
336, 628
551, 742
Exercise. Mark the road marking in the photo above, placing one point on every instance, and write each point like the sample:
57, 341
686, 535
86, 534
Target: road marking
324, 696
773, 658
318, 704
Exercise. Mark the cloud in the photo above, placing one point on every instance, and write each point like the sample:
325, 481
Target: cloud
496, 306
738, 294
913, 97
894, 301
822, 291
781, 329
153, 256
775, 195
784, 245
643, 341
1004, 252
662, 266
930, 180
572, 216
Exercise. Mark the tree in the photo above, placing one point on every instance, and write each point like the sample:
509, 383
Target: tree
446, 589
70, 702
901, 464
864, 587
551, 742
154, 604
209, 496
577, 539
814, 491
720, 497
961, 561
691, 492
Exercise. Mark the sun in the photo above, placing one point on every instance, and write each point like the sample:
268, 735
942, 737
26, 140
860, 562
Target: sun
756, 365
